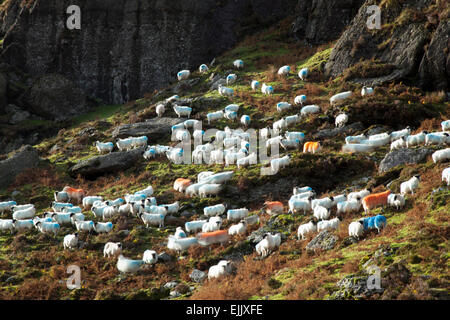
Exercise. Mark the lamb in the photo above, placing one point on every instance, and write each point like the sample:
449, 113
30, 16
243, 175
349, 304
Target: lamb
182, 111
60, 196
273, 207
124, 144
366, 91
396, 200
208, 238
183, 75
48, 227
203, 68
303, 73
103, 147
181, 244
239, 228
246, 161
373, 200
215, 210
221, 269
214, 224
416, 139
306, 228
446, 175
239, 64
181, 184
276, 164
154, 219
194, 226
267, 90
112, 249
225, 91
341, 120
296, 205
70, 241
399, 143
255, 85
89, 201
329, 224
150, 257
6, 224
357, 148
7, 206
209, 190
179, 233
237, 214
356, 229
24, 214
312, 147
103, 227
300, 99
445, 125
410, 185
214, 116
126, 265
231, 78
349, 206
84, 226
160, 109
321, 213
21, 225
284, 71
311, 109
400, 134
340, 96
441, 155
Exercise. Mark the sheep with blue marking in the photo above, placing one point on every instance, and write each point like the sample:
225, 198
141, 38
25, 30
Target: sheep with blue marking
7, 206
231, 115
214, 116
416, 139
441, 155
175, 155
255, 85
349, 206
182, 111
296, 205
103, 227
21, 225
300, 100
284, 71
124, 144
283, 106
138, 142
203, 68
126, 265
225, 91
48, 227
367, 91
104, 147
179, 233
267, 90
84, 226
231, 78
60, 217
183, 75
303, 74
239, 64
152, 219
439, 138
445, 125
378, 222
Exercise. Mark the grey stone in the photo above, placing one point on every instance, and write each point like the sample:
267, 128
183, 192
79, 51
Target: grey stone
25, 158
197, 276
403, 156
154, 129
165, 257
17, 114
170, 285
325, 240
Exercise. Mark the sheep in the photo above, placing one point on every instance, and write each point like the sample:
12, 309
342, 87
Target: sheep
306, 228
340, 96
273, 207
410, 185
209, 190
198, 135
192, 190
303, 195
7, 206
48, 227
278, 126
300, 136
72, 210
329, 224
231, 142
219, 178
221, 269
321, 213
265, 133
237, 229
155, 210
355, 139
341, 120
6, 224
396, 200
112, 249
118, 201
203, 68
214, 116
245, 120
399, 143
255, 85
208, 238
366, 91
378, 222
280, 163
21, 207
312, 147
175, 155
290, 144
215, 210
89, 201
237, 214
21, 225
303, 73
194, 226
283, 106
357, 148
84, 226
349, 206
225, 91
284, 71
267, 90
179, 233
439, 138
299, 100
356, 229
151, 202
310, 109
60, 196
298, 190
441, 155
214, 224
61, 218
154, 219
267, 244
103, 227
150, 257
172, 208
246, 161
24, 214
99, 211
126, 265
172, 98
181, 244
181, 184
416, 139
296, 205
373, 200
160, 109
445, 125
400, 134
359, 194
103, 147
231, 115
326, 202
176, 127
58, 206
182, 111
339, 198
231, 78
138, 142
124, 144
239, 64
70, 241
183, 75
446, 175
76, 217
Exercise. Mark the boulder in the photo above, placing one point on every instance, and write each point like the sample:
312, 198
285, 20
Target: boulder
197, 276
154, 129
25, 158
325, 240
113, 162
403, 156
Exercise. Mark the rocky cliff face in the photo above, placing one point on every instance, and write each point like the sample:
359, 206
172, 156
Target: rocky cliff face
126, 48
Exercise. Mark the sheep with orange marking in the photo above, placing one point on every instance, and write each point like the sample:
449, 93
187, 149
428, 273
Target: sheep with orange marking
273, 207
374, 200
181, 184
207, 238
75, 194
312, 147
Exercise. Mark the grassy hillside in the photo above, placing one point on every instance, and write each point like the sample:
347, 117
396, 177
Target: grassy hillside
33, 266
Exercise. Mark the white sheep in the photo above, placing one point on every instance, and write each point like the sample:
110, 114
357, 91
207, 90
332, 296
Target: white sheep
439, 138
280, 163
326, 202
70, 241
103, 227
160, 109
349, 206
296, 205
150, 257
237, 214
214, 224
89, 201
278, 126
21, 225
410, 185
239, 228
303, 73
321, 213
446, 175
299, 100
310, 109
182, 111
48, 227
214, 116
231, 78
358, 194
24, 214
139, 142
366, 91
265, 133
181, 244
124, 144
306, 228
60, 196
284, 71
340, 96
255, 85
248, 160
445, 125
290, 144
102, 147
194, 226
172, 208
209, 190
328, 224
399, 143
203, 68
355, 139
155, 210
179, 233
175, 155
113, 249
225, 91
416, 139
267, 90
441, 155
21, 207
221, 269
396, 200
356, 229
153, 219
6, 224
60, 217
219, 178
215, 210
341, 120
126, 265
400, 134
183, 75
290, 120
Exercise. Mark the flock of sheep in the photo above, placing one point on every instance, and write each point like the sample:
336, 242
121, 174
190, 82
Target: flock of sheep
230, 147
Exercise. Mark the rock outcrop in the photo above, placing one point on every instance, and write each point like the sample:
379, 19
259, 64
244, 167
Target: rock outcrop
403, 156
154, 129
25, 158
